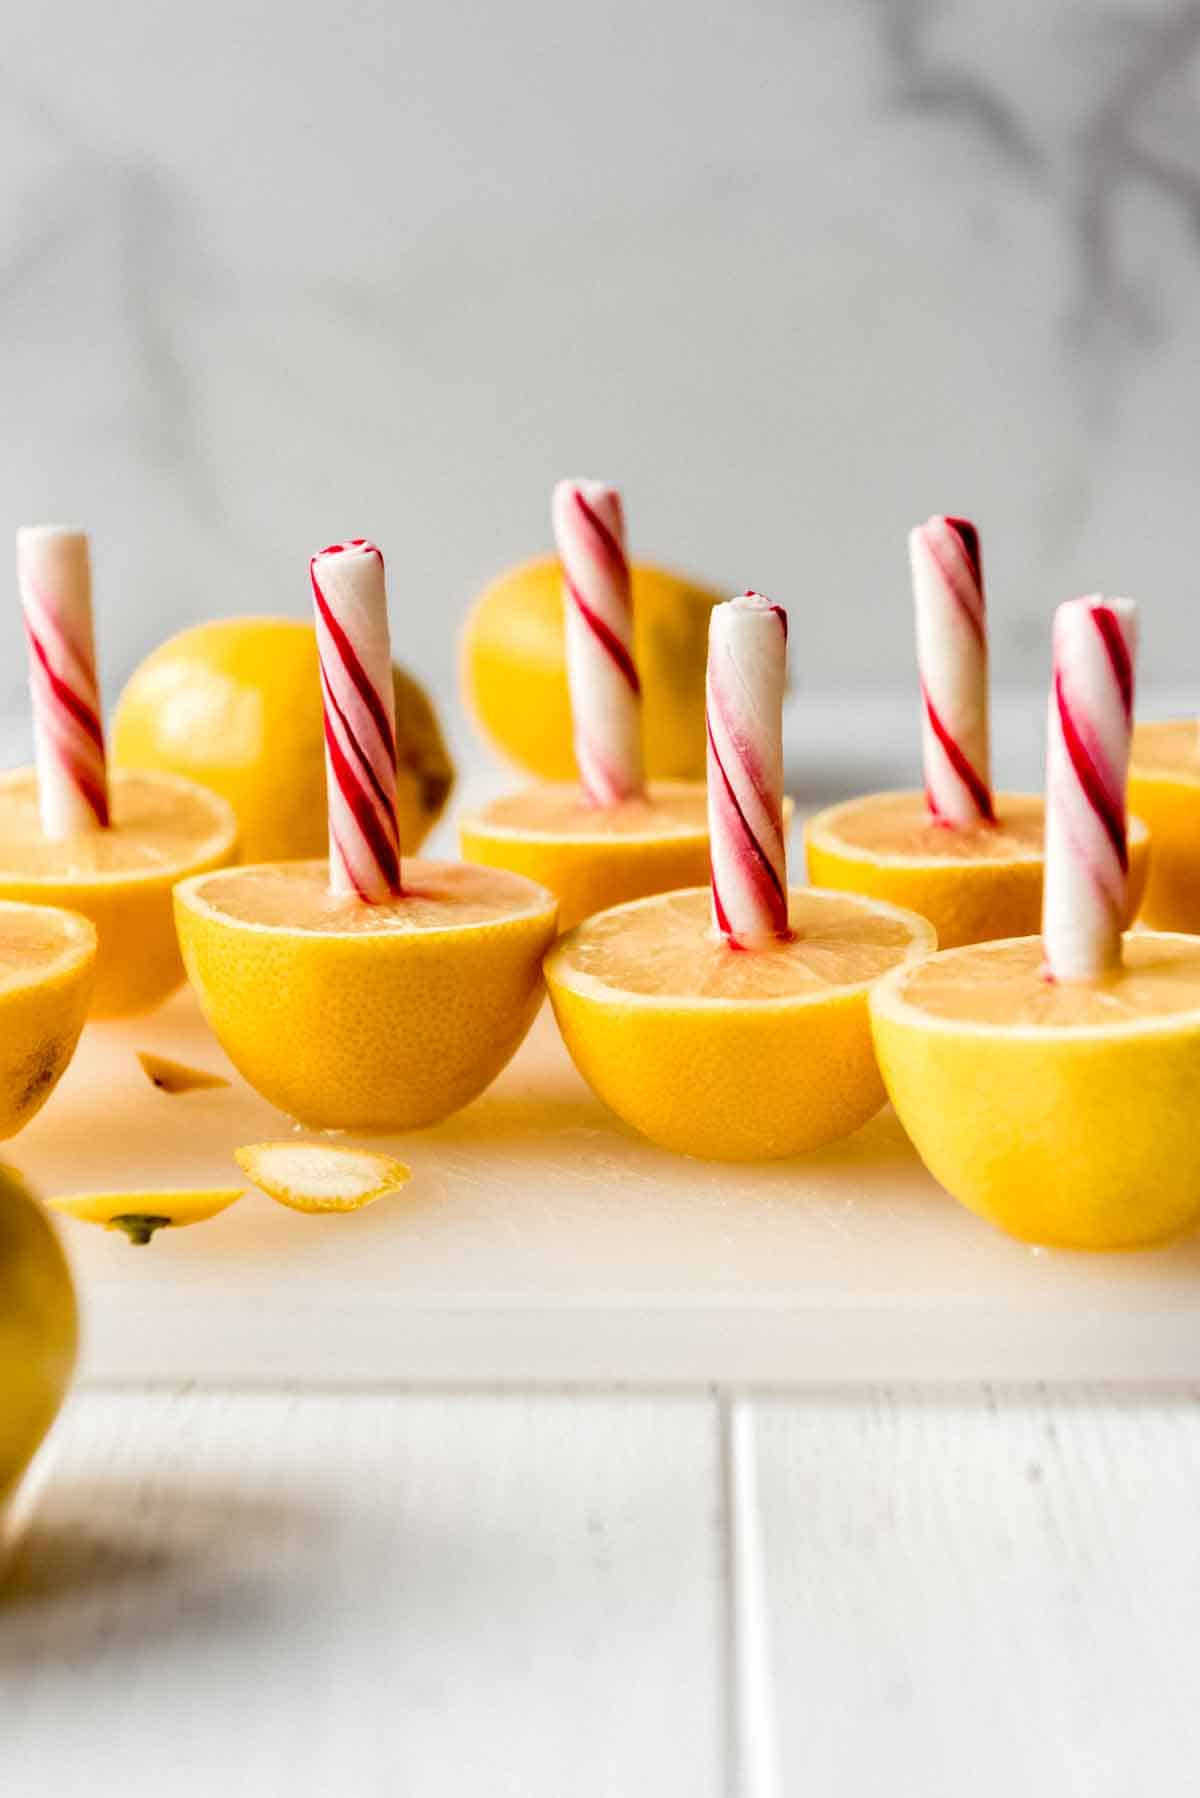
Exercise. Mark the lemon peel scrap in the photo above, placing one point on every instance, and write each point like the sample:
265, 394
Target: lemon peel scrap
315, 1177
142, 1214
176, 1076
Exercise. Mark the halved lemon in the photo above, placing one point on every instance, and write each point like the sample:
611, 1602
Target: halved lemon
972, 885
47, 966
1164, 789
593, 857
1063, 1111
163, 829
731, 1054
369, 1017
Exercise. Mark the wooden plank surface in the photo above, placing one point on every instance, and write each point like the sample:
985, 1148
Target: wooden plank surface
228, 1594
983, 1593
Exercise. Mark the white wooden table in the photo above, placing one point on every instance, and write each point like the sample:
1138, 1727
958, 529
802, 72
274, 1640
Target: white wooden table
927, 1593
218, 1588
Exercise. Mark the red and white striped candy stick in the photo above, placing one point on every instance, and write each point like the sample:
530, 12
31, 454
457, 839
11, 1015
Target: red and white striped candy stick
55, 584
1087, 758
606, 695
747, 667
947, 576
350, 604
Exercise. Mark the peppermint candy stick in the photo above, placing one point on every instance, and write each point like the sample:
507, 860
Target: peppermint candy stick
1087, 756
747, 666
947, 576
55, 584
350, 605
606, 695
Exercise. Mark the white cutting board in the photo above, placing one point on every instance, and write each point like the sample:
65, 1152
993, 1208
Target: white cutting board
540, 1241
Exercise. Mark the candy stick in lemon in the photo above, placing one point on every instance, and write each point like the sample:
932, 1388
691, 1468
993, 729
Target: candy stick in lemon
970, 859
1051, 1084
730, 1021
72, 833
613, 836
364, 992
1164, 790
747, 669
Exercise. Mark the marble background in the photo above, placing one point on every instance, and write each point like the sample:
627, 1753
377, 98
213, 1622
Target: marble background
796, 272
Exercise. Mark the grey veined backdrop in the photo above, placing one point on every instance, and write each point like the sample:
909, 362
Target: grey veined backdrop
276, 272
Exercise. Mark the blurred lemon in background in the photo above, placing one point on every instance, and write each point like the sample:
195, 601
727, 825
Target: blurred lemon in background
515, 678
236, 705
38, 1328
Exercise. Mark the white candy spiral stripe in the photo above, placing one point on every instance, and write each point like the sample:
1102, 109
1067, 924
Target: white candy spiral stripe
947, 577
1087, 759
54, 580
606, 695
350, 607
747, 668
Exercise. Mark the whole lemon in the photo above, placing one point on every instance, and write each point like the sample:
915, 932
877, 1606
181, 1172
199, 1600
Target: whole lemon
515, 678
236, 705
38, 1328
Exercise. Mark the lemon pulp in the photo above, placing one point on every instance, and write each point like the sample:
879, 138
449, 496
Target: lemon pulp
973, 885
900, 824
156, 826
672, 949
1003, 984
560, 809
37, 941
436, 896
593, 857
